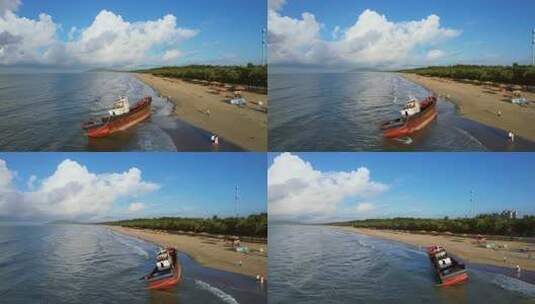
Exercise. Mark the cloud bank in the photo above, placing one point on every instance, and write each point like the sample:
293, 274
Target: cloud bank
298, 192
109, 41
71, 192
371, 42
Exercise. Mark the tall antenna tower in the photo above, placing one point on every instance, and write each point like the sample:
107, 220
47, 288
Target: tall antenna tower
533, 47
472, 203
264, 44
236, 197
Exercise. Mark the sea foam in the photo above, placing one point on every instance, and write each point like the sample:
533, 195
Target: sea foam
225, 297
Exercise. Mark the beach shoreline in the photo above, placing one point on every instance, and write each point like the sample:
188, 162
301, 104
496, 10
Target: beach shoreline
485, 104
465, 248
204, 108
207, 251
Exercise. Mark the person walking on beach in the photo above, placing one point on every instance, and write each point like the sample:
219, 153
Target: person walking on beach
511, 136
215, 139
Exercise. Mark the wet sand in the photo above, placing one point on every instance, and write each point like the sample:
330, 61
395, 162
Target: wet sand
466, 248
482, 104
208, 251
202, 107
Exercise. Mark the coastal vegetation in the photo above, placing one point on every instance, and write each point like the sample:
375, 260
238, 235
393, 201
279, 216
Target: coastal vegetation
514, 74
250, 75
254, 225
495, 224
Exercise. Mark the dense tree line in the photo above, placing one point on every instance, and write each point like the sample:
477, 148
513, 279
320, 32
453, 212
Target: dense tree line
251, 75
515, 74
494, 224
253, 225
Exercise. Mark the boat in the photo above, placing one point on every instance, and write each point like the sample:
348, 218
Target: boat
119, 118
167, 272
415, 115
448, 270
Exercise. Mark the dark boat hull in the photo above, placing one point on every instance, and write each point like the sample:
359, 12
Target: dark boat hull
112, 124
405, 127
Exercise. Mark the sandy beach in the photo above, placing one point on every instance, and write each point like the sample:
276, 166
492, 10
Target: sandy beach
465, 248
204, 108
482, 104
207, 251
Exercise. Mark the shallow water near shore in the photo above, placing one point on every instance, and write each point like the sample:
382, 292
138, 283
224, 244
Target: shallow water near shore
342, 112
43, 112
92, 264
324, 264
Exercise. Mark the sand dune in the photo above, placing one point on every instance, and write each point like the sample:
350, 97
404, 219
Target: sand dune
482, 104
202, 107
210, 252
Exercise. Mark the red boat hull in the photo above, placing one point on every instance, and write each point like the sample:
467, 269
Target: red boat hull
454, 278
170, 282
457, 279
138, 113
414, 123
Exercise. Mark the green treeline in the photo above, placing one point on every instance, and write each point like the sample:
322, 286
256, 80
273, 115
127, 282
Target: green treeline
494, 224
250, 75
515, 74
254, 225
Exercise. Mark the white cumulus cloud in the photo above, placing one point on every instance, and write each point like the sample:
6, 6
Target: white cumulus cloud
109, 40
8, 6
171, 55
364, 207
372, 41
72, 191
297, 191
135, 207
276, 4
435, 55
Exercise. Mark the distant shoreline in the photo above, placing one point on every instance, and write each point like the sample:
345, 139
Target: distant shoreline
202, 107
464, 247
209, 252
482, 103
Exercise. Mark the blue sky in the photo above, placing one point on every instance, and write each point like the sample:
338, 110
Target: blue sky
189, 184
227, 32
432, 184
490, 31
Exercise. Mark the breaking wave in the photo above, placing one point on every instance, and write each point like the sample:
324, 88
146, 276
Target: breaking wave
225, 297
138, 250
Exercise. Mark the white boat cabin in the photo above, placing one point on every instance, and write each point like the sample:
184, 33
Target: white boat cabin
411, 108
120, 106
